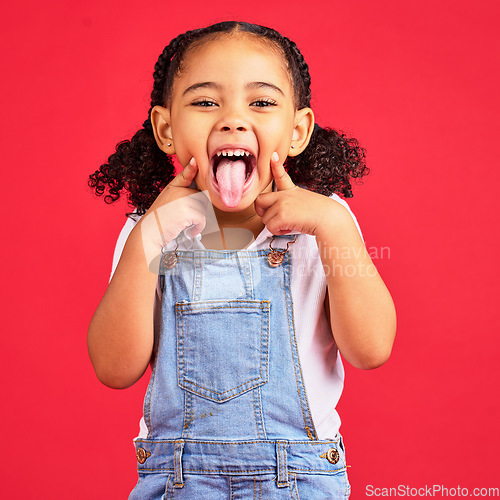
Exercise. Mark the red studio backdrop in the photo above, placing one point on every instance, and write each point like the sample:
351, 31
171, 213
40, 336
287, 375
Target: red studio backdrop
416, 82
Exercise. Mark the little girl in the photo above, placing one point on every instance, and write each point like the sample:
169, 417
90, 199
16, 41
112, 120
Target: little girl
241, 279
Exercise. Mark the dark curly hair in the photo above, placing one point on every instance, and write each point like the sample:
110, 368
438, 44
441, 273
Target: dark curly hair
142, 169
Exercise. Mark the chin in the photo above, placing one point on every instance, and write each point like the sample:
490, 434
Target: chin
244, 203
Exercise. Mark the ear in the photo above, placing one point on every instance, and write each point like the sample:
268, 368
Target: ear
160, 120
304, 126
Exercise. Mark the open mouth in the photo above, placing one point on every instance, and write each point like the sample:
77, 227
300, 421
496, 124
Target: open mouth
232, 170
234, 156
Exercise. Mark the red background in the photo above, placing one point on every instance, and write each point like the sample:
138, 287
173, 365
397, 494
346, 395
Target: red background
415, 81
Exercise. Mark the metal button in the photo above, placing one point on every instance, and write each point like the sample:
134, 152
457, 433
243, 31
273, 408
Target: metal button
142, 454
332, 455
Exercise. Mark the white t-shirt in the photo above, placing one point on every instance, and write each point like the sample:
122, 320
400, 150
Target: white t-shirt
320, 360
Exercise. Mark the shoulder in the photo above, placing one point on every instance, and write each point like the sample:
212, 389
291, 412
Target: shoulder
344, 203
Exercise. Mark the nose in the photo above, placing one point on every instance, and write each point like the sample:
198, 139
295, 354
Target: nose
232, 120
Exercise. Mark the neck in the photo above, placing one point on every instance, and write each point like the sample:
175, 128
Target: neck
236, 230
236, 219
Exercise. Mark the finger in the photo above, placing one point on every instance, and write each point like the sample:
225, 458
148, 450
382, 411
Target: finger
186, 177
268, 213
281, 178
264, 201
273, 220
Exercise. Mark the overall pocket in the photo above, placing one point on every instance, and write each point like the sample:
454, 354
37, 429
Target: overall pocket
222, 347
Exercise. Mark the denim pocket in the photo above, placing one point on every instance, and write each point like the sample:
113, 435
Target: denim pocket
222, 347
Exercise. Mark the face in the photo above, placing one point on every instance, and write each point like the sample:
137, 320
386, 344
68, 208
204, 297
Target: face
232, 106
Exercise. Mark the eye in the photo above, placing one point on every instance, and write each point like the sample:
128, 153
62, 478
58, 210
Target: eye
204, 103
264, 103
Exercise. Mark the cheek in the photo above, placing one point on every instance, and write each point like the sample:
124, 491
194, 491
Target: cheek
188, 144
277, 131
265, 174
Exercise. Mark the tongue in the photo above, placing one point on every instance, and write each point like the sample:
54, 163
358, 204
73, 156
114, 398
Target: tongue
231, 178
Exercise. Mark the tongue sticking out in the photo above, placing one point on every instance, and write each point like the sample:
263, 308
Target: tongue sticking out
231, 178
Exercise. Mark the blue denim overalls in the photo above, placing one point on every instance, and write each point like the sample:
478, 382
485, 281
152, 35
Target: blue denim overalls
226, 407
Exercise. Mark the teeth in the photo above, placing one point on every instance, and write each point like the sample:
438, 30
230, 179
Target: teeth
233, 152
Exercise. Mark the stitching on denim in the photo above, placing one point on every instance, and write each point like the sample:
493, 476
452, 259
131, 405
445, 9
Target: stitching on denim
246, 269
167, 487
250, 278
193, 307
198, 277
348, 492
270, 442
291, 326
188, 414
282, 467
301, 375
265, 338
263, 306
284, 471
178, 472
147, 400
215, 471
190, 255
180, 362
235, 310
259, 417
333, 472
186, 386
308, 422
231, 486
149, 391
246, 472
229, 390
296, 487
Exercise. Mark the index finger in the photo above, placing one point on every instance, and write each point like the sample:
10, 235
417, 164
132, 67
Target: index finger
186, 176
281, 178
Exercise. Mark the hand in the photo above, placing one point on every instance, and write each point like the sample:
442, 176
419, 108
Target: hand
178, 187
291, 208
176, 208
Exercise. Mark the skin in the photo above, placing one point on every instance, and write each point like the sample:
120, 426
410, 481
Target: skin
221, 74
244, 96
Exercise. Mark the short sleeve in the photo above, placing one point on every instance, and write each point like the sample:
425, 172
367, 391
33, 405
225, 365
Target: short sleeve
344, 203
120, 243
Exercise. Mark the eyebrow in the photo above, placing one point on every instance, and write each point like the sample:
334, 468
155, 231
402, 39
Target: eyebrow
218, 86
202, 85
264, 85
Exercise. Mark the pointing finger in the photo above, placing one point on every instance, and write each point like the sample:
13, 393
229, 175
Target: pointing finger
186, 177
281, 177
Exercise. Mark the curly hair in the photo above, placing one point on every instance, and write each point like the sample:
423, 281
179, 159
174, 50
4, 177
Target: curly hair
140, 168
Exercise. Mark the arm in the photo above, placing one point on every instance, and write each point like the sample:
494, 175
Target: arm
121, 333
362, 314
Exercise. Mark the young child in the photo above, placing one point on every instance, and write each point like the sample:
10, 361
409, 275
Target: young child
241, 279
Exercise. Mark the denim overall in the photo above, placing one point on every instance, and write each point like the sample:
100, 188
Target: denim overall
226, 407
